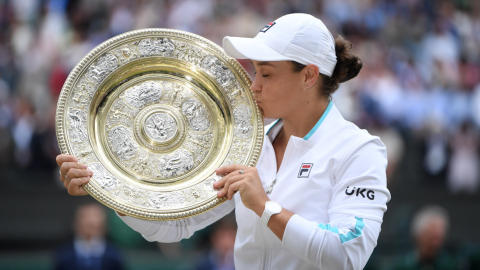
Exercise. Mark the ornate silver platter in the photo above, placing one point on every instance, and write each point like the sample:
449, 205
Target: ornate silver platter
153, 113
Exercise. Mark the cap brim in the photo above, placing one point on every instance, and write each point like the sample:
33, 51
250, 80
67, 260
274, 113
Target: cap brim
250, 48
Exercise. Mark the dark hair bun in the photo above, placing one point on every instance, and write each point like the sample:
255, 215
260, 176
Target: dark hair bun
348, 64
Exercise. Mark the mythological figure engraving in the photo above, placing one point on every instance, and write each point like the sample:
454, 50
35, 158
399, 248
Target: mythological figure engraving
126, 53
176, 163
144, 93
122, 143
104, 66
103, 177
209, 184
221, 73
166, 200
77, 131
157, 46
160, 126
196, 114
242, 115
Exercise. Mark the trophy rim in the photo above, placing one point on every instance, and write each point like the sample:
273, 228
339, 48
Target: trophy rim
93, 188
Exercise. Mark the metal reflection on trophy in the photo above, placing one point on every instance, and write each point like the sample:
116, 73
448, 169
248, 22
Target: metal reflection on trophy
153, 113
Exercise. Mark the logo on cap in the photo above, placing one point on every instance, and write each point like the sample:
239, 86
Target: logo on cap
268, 26
304, 171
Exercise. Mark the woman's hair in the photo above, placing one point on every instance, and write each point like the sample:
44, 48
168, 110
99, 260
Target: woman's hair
348, 66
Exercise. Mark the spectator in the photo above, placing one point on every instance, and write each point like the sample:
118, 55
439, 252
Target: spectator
89, 249
429, 229
220, 256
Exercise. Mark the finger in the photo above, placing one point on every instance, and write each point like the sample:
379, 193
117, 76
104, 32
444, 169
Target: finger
221, 182
229, 169
65, 158
66, 183
76, 186
229, 182
78, 173
62, 178
71, 165
233, 188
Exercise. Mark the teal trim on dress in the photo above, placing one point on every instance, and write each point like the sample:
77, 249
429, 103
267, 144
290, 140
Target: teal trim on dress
359, 225
330, 104
274, 124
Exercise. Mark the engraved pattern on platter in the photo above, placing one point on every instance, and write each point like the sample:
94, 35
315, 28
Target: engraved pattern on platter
156, 46
195, 194
126, 53
105, 179
238, 152
199, 144
196, 113
104, 66
189, 53
121, 113
160, 127
162, 200
84, 152
242, 115
144, 164
218, 70
77, 131
123, 146
131, 194
83, 94
175, 164
144, 93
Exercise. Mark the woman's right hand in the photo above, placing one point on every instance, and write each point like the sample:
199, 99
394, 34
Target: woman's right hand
73, 174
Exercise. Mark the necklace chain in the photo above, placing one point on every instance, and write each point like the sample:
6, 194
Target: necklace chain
270, 188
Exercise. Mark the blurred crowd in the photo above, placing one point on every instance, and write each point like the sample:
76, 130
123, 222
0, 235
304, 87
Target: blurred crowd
419, 89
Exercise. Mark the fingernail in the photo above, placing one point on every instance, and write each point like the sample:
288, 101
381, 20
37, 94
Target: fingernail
90, 172
84, 166
218, 193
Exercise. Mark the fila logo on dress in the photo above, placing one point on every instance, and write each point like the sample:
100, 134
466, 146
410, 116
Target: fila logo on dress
268, 26
304, 171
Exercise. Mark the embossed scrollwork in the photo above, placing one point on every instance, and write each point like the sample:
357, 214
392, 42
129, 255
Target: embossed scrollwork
166, 200
156, 46
242, 115
144, 93
214, 67
106, 180
78, 132
122, 143
160, 127
196, 114
104, 66
175, 164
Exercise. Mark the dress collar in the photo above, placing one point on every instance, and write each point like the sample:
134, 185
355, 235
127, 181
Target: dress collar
275, 128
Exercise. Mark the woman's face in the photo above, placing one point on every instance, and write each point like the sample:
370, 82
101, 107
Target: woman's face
277, 89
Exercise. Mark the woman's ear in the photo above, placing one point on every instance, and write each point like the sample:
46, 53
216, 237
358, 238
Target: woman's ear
311, 73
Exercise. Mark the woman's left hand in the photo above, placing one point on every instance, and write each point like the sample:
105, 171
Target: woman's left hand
248, 184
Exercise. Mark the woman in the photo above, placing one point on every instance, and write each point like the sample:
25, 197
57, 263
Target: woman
318, 193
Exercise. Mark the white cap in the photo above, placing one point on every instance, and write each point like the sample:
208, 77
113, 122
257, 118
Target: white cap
296, 37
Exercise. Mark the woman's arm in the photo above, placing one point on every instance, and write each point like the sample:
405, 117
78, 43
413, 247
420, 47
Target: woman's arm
356, 210
174, 231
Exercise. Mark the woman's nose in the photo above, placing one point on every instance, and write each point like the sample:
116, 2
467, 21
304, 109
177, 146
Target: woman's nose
256, 86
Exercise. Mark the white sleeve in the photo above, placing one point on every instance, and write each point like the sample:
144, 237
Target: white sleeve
174, 231
356, 210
